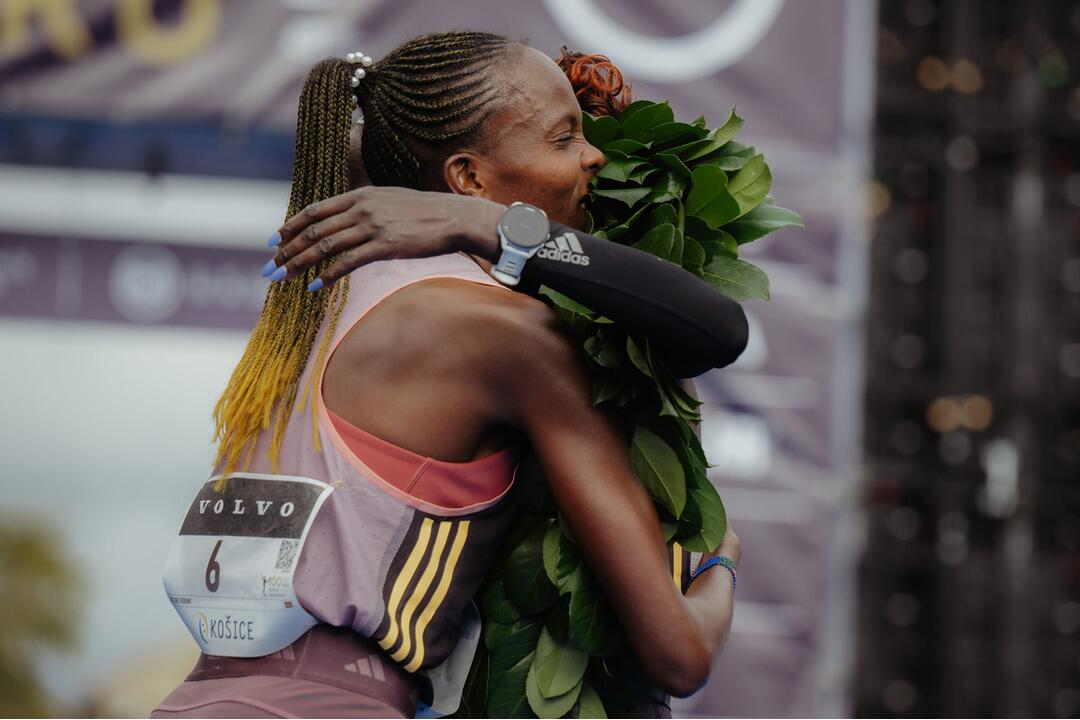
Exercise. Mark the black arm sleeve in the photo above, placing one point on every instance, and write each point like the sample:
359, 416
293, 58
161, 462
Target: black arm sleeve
693, 325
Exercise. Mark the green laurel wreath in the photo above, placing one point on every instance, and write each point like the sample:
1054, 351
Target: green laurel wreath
551, 646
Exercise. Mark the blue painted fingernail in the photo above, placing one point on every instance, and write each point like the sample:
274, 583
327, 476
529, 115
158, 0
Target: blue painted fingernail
279, 273
316, 284
274, 241
268, 268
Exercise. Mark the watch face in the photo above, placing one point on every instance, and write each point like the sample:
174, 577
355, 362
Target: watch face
525, 226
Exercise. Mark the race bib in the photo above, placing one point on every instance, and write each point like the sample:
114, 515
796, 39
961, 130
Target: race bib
230, 570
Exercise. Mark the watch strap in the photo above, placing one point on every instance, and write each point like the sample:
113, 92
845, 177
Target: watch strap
512, 261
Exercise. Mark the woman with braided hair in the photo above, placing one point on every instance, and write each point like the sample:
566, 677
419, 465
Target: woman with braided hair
370, 433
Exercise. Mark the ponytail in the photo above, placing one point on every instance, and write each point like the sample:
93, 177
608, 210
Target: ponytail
265, 383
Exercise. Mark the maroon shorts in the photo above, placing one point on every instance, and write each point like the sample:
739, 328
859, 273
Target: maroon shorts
329, 672
267, 696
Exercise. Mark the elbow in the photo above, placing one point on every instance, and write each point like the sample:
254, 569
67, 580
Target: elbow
684, 671
728, 330
718, 348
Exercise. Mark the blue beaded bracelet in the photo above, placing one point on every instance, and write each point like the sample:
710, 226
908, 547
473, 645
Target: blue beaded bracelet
712, 562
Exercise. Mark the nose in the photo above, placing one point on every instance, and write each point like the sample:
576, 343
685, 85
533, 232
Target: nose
592, 159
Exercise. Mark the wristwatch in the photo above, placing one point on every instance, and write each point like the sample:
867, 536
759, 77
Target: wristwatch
523, 229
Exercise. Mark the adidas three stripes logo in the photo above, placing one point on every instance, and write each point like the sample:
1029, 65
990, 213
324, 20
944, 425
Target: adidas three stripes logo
421, 587
370, 666
564, 248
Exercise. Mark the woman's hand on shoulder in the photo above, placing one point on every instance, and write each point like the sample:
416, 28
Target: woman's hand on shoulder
382, 223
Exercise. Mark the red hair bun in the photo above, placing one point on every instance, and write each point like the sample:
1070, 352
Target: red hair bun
598, 84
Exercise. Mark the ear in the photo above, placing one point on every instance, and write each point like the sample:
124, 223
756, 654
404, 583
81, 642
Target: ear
464, 174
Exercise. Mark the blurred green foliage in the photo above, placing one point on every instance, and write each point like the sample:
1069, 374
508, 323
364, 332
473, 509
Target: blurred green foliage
39, 589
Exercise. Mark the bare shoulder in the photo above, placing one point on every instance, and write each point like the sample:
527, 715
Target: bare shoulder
490, 324
450, 321
474, 342
455, 362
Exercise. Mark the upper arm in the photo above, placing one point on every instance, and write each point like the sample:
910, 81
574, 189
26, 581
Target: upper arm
584, 454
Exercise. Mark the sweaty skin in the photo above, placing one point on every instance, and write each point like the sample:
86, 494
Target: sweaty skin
456, 370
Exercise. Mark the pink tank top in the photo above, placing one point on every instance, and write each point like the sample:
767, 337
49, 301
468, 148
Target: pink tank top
401, 543
378, 531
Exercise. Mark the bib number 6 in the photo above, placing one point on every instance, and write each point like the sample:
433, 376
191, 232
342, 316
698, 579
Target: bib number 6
213, 570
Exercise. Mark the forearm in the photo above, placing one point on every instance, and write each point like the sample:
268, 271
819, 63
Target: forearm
711, 597
691, 324
711, 602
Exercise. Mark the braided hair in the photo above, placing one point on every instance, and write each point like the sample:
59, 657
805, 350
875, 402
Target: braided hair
265, 382
425, 100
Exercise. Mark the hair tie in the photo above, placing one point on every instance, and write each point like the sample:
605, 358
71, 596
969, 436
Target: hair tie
359, 73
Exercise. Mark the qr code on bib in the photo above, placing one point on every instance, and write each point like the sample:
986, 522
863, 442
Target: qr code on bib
286, 554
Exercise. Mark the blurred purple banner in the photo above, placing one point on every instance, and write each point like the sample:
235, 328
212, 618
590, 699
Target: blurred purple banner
242, 61
135, 282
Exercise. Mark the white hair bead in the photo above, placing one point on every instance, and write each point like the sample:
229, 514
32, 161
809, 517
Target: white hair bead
365, 61
359, 73
351, 57
354, 81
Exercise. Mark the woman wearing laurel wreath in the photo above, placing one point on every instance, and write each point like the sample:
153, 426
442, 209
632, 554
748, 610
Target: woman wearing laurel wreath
328, 567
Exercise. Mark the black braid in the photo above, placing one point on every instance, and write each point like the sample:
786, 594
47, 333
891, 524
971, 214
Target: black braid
424, 100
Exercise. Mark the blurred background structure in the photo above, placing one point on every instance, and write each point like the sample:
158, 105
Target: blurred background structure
970, 581
898, 447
